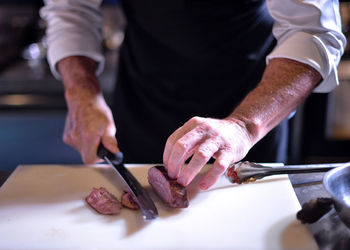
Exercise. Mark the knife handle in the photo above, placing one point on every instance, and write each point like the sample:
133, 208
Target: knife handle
102, 152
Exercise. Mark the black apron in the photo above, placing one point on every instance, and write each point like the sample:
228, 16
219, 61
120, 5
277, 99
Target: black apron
185, 58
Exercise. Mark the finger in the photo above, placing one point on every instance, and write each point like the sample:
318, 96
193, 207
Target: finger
183, 149
89, 149
222, 162
171, 142
182, 163
109, 141
188, 126
202, 155
72, 140
67, 139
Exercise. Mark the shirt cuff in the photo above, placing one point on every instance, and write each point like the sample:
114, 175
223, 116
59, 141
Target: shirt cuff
309, 49
72, 46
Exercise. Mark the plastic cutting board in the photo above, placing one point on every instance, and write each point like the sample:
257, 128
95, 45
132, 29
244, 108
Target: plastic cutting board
43, 207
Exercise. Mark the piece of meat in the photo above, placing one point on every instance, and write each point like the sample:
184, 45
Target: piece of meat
313, 210
103, 201
232, 175
171, 192
129, 201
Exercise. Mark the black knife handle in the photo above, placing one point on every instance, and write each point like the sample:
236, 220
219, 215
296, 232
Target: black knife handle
102, 152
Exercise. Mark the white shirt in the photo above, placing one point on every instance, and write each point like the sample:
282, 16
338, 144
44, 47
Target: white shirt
308, 31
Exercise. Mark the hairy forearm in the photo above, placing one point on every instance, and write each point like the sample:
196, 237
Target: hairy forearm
89, 120
78, 77
284, 85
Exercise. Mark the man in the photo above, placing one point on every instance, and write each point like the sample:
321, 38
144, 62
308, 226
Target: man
196, 68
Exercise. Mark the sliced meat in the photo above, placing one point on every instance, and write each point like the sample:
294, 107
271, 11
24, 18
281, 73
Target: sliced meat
103, 201
171, 192
129, 201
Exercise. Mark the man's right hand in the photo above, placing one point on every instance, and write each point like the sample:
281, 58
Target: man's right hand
89, 120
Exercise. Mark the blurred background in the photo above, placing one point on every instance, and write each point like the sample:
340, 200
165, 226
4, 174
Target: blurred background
32, 106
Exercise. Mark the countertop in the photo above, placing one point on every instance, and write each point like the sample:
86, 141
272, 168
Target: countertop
329, 231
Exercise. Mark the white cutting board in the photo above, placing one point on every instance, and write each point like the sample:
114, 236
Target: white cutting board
43, 207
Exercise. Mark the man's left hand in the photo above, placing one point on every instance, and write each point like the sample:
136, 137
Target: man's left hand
226, 140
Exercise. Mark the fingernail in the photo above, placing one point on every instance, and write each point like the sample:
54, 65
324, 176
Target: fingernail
171, 175
203, 186
182, 181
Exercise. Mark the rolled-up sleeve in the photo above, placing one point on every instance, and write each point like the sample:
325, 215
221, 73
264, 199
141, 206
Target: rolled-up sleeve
74, 28
309, 31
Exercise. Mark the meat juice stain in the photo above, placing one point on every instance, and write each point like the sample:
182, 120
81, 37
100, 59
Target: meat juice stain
232, 175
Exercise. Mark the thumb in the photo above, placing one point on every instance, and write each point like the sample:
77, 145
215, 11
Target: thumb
109, 141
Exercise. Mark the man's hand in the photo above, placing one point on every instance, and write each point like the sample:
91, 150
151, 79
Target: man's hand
285, 84
89, 120
225, 140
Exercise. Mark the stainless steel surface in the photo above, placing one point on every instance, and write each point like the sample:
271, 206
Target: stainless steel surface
337, 183
247, 171
329, 231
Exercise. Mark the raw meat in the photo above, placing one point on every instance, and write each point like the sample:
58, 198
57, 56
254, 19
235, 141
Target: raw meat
171, 192
103, 201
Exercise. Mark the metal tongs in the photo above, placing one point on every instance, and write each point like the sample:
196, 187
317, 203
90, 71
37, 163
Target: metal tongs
244, 172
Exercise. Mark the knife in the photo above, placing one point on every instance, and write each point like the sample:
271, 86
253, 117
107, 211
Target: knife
145, 202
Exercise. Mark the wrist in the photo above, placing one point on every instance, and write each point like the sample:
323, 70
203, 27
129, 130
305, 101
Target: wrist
82, 88
75, 66
78, 77
249, 128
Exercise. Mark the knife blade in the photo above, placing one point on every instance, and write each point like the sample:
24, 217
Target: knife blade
145, 202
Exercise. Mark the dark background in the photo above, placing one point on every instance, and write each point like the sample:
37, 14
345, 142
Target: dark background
32, 107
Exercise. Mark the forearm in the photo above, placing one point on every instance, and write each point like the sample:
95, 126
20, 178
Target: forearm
89, 120
284, 85
78, 77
